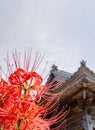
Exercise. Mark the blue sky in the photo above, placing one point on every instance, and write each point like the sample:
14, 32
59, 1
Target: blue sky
63, 29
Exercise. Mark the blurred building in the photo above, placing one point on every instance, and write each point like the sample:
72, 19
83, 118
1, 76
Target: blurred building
79, 95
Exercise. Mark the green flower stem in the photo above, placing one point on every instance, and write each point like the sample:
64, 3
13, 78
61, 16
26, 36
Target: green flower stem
25, 88
18, 124
25, 92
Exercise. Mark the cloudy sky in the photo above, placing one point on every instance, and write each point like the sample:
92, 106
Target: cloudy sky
63, 29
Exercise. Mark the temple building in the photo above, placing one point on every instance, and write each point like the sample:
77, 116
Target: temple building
79, 95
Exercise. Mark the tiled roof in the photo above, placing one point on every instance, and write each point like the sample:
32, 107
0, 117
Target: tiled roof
58, 75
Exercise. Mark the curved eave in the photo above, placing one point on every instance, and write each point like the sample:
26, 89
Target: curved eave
74, 83
82, 74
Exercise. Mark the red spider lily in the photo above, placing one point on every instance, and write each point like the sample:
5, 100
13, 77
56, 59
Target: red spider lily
20, 76
21, 105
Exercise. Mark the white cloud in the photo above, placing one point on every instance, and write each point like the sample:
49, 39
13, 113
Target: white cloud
64, 29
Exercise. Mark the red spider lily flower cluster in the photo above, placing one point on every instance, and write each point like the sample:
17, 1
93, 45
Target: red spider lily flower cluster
20, 99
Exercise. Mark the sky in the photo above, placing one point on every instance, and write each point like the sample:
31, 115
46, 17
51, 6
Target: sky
63, 29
